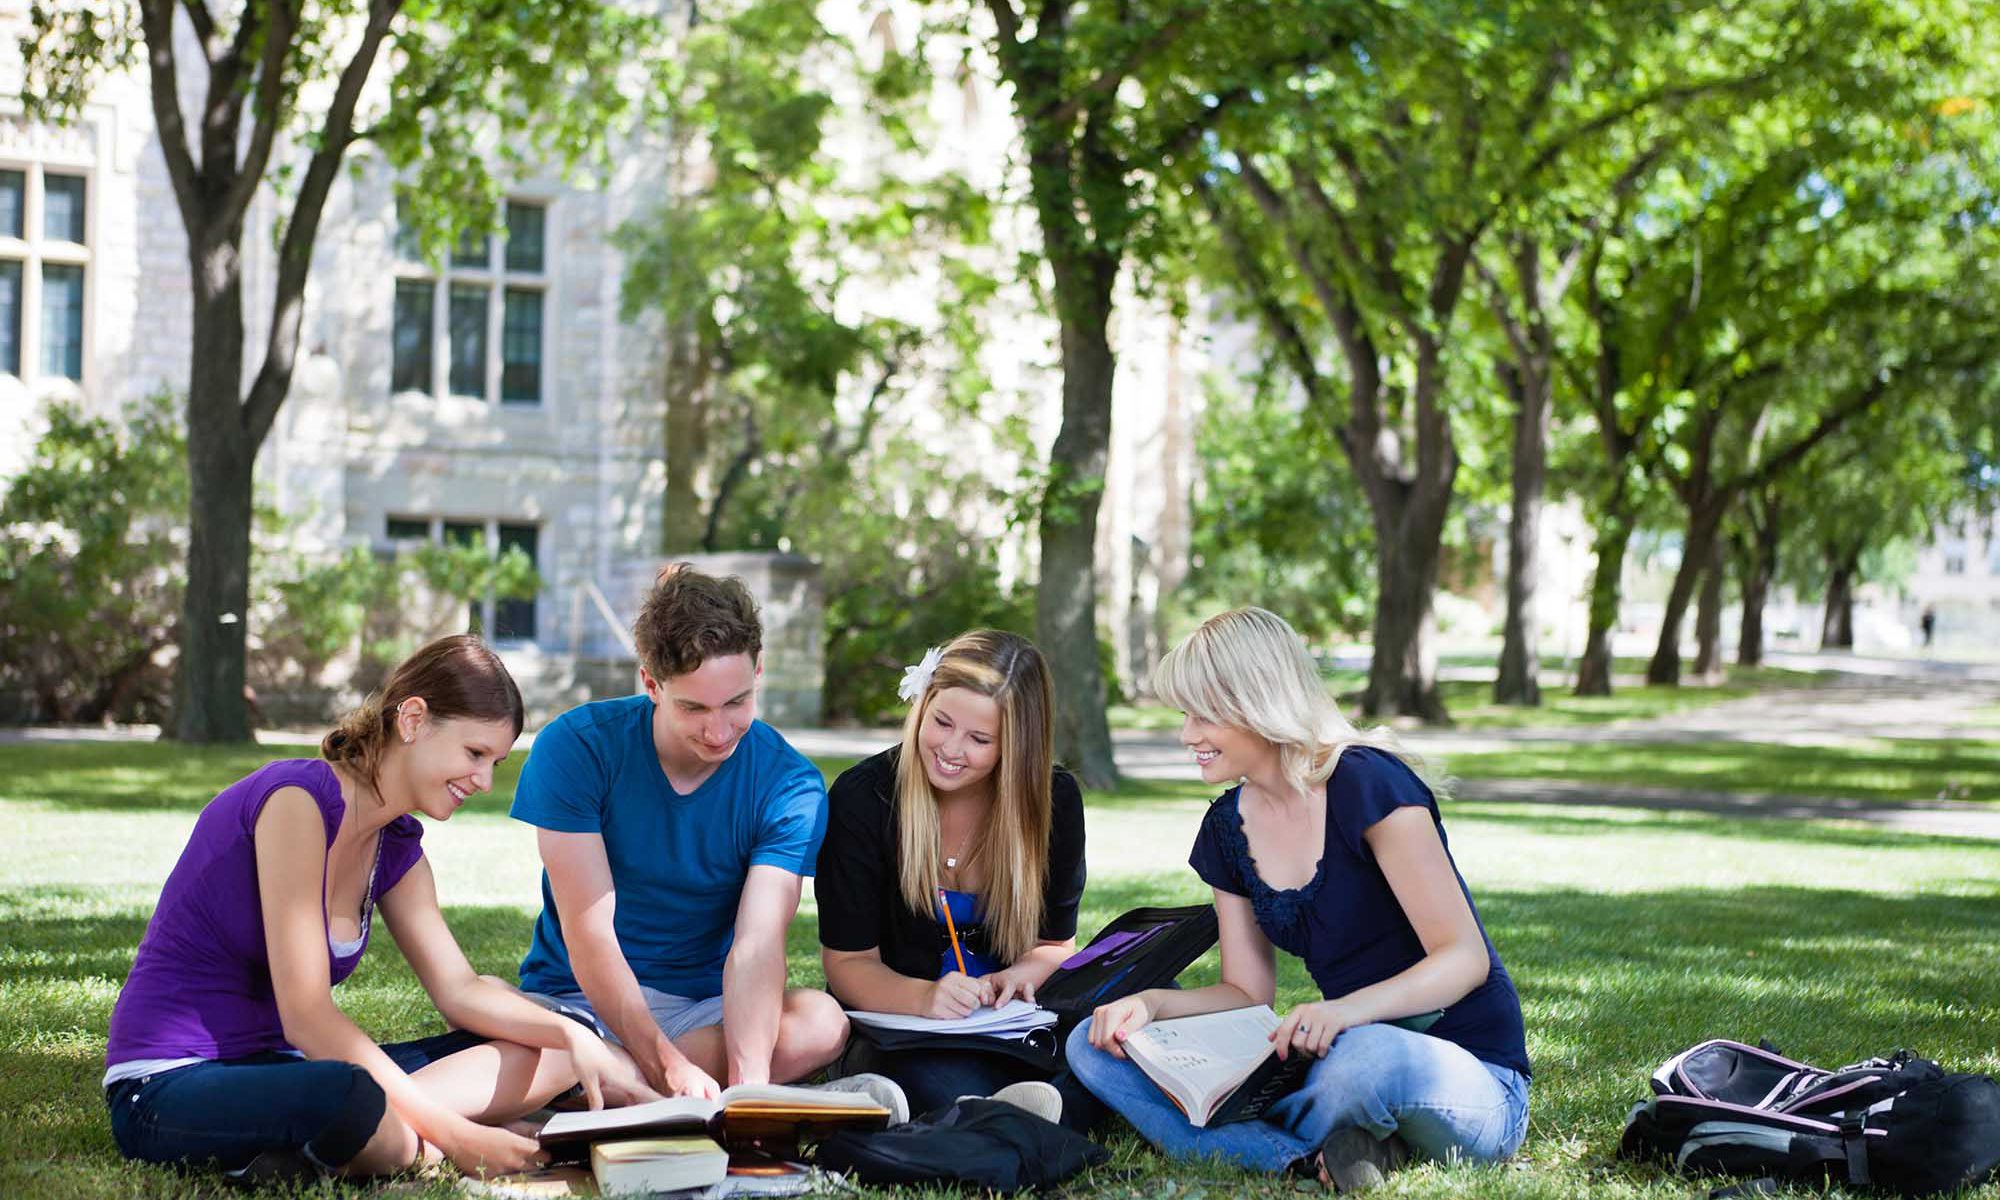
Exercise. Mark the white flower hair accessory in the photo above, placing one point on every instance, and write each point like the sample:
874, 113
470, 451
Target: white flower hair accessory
917, 678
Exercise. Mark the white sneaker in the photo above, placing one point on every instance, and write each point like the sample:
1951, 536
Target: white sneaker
1031, 1096
879, 1088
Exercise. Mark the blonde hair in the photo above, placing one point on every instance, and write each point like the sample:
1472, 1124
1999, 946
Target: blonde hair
1014, 846
1247, 669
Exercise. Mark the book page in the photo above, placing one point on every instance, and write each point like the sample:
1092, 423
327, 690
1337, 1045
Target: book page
1201, 1058
690, 1111
1014, 1017
767, 1096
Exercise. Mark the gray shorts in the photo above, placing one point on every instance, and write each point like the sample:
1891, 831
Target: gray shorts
675, 1015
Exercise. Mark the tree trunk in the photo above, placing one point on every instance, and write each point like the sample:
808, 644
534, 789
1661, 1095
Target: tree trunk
1837, 630
1066, 597
1708, 617
1593, 670
1519, 659
681, 521
209, 703
1703, 522
1402, 674
1762, 566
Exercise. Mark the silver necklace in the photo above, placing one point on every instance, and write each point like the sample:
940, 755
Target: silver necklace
951, 860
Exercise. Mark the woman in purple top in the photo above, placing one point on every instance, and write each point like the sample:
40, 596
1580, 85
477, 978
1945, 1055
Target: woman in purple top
226, 1048
1331, 849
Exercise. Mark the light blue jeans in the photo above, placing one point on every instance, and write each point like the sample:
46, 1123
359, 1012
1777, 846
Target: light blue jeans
1445, 1103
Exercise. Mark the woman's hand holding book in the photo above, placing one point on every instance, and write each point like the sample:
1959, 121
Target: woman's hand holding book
1112, 1023
1310, 1028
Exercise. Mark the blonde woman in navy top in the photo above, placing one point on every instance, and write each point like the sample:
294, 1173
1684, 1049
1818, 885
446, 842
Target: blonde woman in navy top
226, 1049
1332, 849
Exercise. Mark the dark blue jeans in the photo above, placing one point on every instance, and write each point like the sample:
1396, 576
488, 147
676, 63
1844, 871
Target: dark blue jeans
223, 1114
932, 1079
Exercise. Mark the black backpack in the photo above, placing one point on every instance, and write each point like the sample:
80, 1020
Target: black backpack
987, 1144
1143, 948
1901, 1124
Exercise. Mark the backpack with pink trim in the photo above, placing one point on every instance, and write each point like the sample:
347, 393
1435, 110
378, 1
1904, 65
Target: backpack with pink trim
1901, 1124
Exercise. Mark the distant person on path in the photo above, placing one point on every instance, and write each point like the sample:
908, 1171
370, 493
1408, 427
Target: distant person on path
226, 1048
1928, 623
1332, 849
969, 811
677, 830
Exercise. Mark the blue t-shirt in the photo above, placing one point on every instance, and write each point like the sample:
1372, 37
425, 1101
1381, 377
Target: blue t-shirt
1345, 922
677, 861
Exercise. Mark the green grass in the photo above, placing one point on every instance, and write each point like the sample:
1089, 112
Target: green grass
1882, 770
1470, 701
1630, 933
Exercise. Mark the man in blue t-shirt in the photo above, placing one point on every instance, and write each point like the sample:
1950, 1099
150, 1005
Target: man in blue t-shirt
675, 831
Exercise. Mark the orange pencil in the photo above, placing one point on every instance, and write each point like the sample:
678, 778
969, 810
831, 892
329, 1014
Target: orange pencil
944, 906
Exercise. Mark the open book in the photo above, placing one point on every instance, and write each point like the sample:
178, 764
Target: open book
1014, 1019
1218, 1067
747, 1114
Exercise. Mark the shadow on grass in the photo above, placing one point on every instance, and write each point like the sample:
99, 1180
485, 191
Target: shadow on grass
1611, 985
1911, 770
1616, 816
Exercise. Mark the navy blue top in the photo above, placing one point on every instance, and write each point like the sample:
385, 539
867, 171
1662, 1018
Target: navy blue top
1345, 921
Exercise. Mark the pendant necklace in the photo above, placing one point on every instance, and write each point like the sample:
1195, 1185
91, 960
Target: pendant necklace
951, 860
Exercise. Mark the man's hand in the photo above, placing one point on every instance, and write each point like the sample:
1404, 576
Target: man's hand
672, 1073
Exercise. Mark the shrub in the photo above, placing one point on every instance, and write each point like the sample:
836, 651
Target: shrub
91, 547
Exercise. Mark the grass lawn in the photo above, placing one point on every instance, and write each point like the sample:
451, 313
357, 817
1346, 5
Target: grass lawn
1880, 770
1470, 701
1631, 934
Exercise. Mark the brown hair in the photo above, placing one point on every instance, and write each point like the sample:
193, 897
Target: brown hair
1014, 846
456, 676
689, 618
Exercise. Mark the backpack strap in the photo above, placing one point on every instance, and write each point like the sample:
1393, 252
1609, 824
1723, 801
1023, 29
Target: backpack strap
1854, 1141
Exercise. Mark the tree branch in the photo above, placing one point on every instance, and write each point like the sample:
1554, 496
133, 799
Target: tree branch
267, 113
156, 18
1263, 291
1108, 81
274, 377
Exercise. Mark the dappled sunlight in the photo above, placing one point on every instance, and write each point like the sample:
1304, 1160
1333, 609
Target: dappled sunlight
1881, 770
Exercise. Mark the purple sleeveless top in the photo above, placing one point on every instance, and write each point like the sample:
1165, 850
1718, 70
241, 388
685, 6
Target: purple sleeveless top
201, 984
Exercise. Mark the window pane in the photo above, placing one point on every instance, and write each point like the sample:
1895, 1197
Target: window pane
409, 529
13, 204
10, 318
62, 208
524, 236
411, 370
516, 618
468, 341
408, 248
62, 321
521, 347
474, 249
468, 533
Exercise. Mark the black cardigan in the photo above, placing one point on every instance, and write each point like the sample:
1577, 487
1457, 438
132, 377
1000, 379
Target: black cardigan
857, 881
